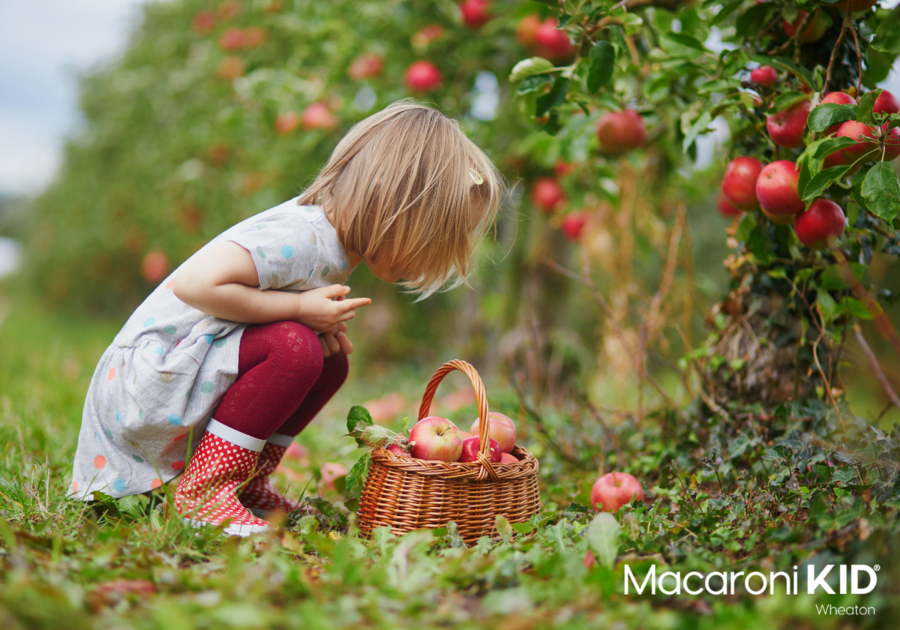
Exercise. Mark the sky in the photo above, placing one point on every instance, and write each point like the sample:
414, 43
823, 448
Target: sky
44, 44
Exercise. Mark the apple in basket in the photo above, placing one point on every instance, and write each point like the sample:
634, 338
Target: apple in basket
507, 458
501, 429
397, 450
471, 446
613, 490
435, 438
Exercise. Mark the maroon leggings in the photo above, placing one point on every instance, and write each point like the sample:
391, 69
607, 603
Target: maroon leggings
283, 381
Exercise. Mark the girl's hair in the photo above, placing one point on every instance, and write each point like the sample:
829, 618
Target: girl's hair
408, 187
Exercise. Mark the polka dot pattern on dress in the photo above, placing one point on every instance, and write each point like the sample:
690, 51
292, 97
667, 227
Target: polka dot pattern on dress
287, 251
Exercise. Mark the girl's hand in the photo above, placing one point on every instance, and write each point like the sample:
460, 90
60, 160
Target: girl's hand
336, 341
325, 309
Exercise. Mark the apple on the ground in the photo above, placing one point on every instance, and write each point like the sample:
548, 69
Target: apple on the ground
613, 490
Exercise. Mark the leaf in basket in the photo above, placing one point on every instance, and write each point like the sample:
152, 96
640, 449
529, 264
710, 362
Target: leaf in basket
603, 538
358, 418
503, 528
357, 475
375, 436
404, 426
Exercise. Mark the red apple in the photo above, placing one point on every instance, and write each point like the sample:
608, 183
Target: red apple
330, 472
501, 429
739, 183
553, 43
813, 31
821, 224
422, 76
470, 450
366, 66
229, 9
776, 189
892, 145
837, 98
561, 169
613, 490
464, 435
296, 451
154, 267
435, 438
254, 36
204, 22
835, 159
546, 195
865, 149
527, 29
318, 116
726, 209
507, 458
573, 224
427, 35
886, 103
764, 75
231, 39
475, 13
787, 127
397, 450
286, 123
621, 131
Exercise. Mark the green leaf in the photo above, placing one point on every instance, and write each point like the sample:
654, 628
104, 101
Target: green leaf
554, 98
699, 125
866, 103
787, 65
503, 527
826, 146
603, 538
530, 67
858, 309
618, 39
887, 37
533, 84
822, 180
824, 116
833, 278
603, 59
745, 227
881, 190
358, 417
375, 436
523, 528
827, 305
878, 66
786, 100
760, 245
357, 475
777, 273
685, 40
725, 11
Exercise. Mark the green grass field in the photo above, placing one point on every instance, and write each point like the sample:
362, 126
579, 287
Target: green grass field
128, 564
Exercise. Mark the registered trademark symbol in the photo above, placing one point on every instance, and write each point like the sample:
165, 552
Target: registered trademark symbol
877, 567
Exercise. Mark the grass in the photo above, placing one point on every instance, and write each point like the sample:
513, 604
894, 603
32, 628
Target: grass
725, 496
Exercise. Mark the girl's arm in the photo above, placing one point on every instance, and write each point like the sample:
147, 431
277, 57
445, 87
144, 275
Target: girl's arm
222, 281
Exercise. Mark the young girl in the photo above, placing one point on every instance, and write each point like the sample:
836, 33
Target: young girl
237, 351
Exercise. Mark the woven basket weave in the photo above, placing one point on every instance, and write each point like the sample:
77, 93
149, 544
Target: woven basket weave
407, 493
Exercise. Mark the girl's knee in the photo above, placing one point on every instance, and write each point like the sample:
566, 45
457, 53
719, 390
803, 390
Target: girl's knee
298, 349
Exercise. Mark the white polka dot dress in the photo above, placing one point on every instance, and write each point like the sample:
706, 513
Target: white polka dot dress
156, 387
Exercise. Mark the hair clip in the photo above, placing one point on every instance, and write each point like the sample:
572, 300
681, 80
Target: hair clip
478, 179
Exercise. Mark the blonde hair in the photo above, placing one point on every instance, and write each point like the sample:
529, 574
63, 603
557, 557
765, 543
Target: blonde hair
406, 185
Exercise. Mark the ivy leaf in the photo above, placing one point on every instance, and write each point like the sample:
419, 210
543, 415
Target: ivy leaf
866, 103
530, 67
822, 180
828, 114
603, 58
685, 40
881, 190
554, 98
603, 538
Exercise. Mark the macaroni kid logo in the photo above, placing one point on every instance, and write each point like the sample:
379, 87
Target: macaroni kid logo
856, 579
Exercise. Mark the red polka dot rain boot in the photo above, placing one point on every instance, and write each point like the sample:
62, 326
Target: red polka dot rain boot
258, 495
224, 461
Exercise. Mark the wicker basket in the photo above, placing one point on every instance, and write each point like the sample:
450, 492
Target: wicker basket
408, 494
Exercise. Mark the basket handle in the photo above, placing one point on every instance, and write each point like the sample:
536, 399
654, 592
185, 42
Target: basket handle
480, 396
